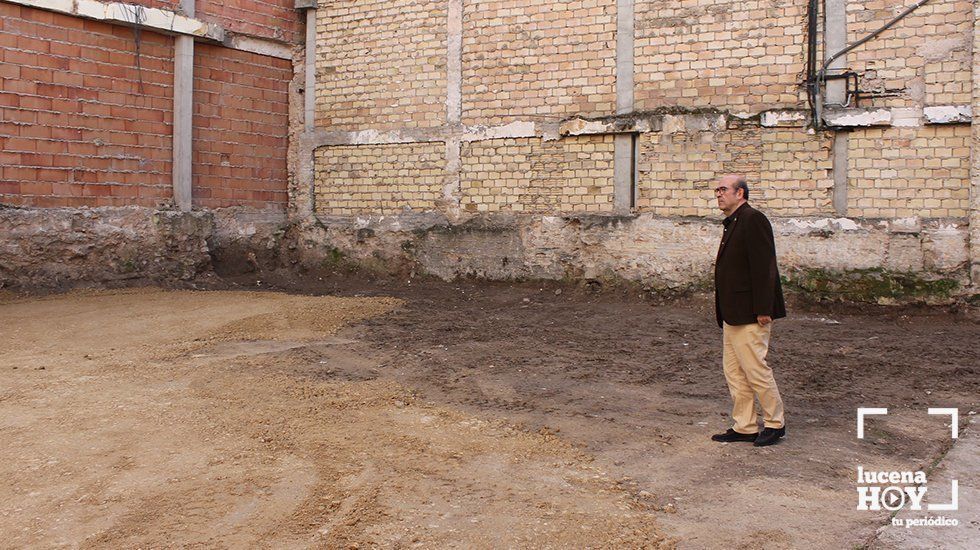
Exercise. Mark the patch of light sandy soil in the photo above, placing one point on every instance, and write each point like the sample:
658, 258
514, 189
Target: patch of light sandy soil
150, 418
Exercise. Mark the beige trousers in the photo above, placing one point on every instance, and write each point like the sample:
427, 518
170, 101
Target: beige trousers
748, 376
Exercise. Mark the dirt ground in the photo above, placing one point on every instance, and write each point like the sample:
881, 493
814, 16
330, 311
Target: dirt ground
438, 415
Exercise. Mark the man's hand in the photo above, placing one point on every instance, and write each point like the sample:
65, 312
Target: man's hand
763, 319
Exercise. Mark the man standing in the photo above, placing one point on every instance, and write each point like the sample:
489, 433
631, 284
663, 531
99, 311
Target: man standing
748, 296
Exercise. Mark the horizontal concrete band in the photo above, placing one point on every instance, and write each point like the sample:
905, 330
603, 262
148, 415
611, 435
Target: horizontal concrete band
899, 116
163, 21
548, 130
631, 123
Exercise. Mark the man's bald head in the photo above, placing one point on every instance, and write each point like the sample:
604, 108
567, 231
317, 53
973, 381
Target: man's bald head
736, 182
731, 192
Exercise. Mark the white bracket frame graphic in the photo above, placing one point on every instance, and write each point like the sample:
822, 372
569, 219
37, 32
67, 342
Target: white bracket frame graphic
955, 419
954, 427
867, 411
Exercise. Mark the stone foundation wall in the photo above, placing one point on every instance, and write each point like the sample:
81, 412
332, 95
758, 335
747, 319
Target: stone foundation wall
888, 261
884, 261
64, 247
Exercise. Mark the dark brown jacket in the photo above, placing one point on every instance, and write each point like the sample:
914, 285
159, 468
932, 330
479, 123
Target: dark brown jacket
746, 276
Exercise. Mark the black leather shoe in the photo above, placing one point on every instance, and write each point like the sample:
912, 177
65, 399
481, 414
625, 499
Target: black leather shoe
769, 436
731, 435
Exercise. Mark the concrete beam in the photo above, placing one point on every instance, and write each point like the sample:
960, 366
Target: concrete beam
158, 20
259, 46
856, 118
632, 123
783, 119
693, 122
516, 129
620, 124
331, 138
898, 116
617, 124
149, 18
907, 117
948, 114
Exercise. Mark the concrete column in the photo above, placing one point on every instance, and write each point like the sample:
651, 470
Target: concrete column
835, 40
183, 136
305, 199
624, 162
840, 173
305, 177
975, 155
452, 191
454, 63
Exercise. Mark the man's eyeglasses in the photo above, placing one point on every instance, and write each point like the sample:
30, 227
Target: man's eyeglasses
721, 190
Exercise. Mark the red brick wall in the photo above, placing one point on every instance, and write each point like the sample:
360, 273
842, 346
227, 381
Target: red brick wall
275, 19
80, 124
241, 124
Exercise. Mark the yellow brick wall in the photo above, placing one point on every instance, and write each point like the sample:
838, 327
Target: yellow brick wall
902, 172
381, 64
796, 177
677, 171
538, 58
379, 179
573, 174
925, 57
743, 55
788, 171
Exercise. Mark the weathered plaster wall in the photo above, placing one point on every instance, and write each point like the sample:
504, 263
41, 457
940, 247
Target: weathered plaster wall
656, 252
64, 247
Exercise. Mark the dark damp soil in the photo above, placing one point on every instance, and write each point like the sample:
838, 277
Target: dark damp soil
636, 381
